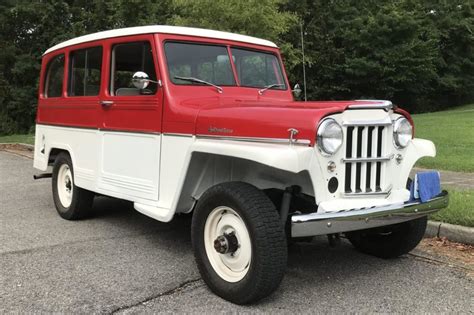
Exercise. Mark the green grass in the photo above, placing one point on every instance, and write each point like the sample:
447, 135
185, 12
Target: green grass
460, 210
29, 139
452, 132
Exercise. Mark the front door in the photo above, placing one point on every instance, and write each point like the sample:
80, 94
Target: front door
131, 121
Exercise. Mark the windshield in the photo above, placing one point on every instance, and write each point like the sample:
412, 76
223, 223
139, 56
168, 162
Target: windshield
203, 62
258, 69
190, 62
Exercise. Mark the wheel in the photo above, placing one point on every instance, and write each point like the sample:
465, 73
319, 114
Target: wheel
239, 242
71, 202
389, 241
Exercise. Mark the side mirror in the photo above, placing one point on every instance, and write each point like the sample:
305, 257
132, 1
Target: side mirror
140, 80
296, 90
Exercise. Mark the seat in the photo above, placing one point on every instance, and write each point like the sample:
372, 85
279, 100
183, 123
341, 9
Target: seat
127, 92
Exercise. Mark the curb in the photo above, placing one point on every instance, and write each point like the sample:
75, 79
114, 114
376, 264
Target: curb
454, 233
20, 149
27, 146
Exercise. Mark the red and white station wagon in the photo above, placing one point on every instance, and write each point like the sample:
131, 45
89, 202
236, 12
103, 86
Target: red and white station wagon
180, 120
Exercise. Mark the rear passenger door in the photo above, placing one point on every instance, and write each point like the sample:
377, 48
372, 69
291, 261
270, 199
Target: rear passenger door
131, 121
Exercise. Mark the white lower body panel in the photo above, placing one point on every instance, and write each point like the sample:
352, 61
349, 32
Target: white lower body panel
119, 164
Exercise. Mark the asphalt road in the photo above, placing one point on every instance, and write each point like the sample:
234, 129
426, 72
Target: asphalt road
122, 261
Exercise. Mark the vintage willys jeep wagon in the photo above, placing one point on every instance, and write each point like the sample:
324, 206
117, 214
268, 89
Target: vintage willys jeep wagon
181, 120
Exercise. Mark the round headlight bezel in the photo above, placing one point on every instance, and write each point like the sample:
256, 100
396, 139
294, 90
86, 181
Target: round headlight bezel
402, 132
322, 136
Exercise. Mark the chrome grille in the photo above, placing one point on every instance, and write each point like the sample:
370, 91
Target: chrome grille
365, 158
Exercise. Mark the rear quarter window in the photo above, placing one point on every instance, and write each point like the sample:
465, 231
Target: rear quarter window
54, 77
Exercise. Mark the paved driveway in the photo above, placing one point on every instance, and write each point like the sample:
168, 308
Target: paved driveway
122, 261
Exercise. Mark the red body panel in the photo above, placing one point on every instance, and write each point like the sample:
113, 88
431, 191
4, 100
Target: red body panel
264, 119
184, 109
140, 113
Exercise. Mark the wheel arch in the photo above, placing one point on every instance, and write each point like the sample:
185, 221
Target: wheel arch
54, 152
207, 169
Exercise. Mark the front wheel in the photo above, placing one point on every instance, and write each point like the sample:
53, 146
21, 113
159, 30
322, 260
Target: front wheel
389, 241
239, 242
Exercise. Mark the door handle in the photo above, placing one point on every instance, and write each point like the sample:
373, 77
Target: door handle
106, 104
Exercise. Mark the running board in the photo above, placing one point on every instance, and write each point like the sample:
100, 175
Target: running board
157, 213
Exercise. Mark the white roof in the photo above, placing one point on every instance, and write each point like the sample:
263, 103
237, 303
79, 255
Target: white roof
179, 30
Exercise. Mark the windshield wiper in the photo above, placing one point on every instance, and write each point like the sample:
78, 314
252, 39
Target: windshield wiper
196, 80
269, 87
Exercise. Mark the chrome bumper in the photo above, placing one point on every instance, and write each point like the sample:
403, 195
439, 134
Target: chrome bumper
326, 223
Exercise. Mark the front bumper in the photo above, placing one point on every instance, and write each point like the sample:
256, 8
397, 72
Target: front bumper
312, 224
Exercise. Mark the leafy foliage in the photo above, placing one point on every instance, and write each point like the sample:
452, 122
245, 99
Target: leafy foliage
398, 50
416, 53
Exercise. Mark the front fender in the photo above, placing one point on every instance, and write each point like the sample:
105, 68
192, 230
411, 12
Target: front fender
417, 149
291, 158
287, 162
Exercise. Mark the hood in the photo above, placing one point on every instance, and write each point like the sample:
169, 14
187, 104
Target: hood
254, 119
269, 120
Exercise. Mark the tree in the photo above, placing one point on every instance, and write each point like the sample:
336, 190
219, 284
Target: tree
27, 29
259, 18
365, 49
453, 22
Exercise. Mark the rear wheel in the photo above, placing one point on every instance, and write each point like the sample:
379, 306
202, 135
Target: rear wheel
389, 241
71, 202
239, 242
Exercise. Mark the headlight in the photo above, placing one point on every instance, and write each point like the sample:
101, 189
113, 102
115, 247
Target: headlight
329, 138
402, 132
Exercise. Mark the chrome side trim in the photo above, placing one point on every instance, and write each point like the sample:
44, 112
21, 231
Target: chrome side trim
188, 135
304, 142
367, 159
100, 129
130, 131
311, 224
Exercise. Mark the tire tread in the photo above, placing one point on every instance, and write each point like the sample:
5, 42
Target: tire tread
270, 242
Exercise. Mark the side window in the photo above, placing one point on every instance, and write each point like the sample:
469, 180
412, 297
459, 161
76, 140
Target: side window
85, 72
54, 77
126, 60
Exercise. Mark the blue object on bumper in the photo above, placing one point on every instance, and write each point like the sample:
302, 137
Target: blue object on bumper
425, 186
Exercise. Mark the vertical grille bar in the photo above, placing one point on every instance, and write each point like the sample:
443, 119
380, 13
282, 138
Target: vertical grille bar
363, 170
362, 142
379, 154
370, 131
355, 137
374, 154
384, 135
347, 184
